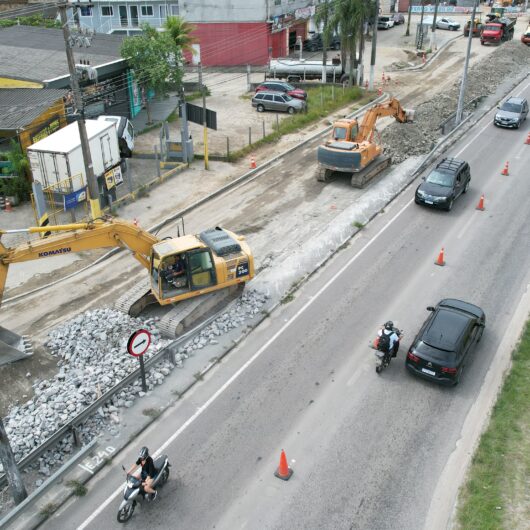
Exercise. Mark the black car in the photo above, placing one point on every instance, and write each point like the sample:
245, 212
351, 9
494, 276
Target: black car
314, 43
449, 179
440, 349
511, 113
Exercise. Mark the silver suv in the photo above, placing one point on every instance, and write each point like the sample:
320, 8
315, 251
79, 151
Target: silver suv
277, 101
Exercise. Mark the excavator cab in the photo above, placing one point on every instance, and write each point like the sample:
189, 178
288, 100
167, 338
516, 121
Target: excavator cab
345, 130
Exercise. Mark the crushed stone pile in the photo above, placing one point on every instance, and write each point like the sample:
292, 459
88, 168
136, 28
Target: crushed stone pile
92, 359
402, 141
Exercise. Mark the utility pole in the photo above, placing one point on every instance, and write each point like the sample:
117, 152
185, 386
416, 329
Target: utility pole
419, 44
374, 45
9, 464
93, 190
433, 27
407, 33
205, 128
460, 107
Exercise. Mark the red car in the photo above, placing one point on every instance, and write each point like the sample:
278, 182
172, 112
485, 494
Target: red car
525, 37
279, 86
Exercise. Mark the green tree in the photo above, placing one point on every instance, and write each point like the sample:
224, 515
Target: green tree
18, 185
181, 33
155, 59
324, 17
347, 17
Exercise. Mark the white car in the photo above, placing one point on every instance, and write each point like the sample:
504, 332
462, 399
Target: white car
385, 22
442, 23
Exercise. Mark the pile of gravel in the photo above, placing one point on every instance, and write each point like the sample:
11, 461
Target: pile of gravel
92, 351
403, 140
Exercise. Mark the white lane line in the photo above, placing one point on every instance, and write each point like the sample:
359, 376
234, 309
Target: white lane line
473, 139
466, 226
203, 407
520, 93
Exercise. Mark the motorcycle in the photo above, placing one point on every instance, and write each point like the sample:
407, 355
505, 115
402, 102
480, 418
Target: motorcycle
133, 490
382, 359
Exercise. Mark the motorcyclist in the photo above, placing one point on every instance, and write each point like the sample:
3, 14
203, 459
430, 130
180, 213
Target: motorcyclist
393, 340
148, 472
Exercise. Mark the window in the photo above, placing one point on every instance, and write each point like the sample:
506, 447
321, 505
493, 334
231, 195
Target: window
267, 97
277, 2
258, 96
174, 10
86, 11
147, 11
163, 11
106, 11
202, 269
279, 99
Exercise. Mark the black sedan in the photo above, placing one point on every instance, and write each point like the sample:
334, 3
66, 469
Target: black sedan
440, 350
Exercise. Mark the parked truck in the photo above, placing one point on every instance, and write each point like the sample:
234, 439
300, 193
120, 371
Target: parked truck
301, 70
58, 158
498, 30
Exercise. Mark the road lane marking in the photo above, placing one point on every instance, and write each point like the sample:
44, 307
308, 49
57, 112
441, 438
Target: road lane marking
207, 403
466, 226
205, 406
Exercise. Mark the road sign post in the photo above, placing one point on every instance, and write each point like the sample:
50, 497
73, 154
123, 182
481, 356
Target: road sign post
137, 345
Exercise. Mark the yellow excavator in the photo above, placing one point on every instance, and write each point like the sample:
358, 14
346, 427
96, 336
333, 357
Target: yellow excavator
180, 269
352, 148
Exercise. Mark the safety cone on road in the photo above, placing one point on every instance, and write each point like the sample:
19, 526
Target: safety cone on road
527, 142
252, 162
480, 205
440, 260
284, 471
505, 170
9, 208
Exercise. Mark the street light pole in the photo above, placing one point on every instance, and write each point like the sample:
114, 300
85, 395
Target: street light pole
374, 46
407, 33
460, 107
93, 190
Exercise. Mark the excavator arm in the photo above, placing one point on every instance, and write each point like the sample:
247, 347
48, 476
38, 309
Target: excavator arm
392, 107
77, 237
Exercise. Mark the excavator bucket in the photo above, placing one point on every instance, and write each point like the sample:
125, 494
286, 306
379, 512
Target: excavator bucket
13, 347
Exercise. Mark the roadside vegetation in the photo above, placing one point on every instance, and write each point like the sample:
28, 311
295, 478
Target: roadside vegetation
321, 101
495, 495
33, 20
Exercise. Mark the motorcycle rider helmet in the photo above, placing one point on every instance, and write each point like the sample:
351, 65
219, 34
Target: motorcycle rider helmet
144, 453
389, 325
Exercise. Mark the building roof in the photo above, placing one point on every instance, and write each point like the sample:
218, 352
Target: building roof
38, 54
20, 106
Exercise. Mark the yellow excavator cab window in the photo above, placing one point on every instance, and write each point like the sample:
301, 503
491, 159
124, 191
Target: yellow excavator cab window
340, 133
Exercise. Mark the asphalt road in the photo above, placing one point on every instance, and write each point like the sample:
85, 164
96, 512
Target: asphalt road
366, 450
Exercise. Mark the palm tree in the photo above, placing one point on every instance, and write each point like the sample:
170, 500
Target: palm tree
323, 18
181, 32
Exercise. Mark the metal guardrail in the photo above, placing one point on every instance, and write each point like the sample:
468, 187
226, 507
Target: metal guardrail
473, 103
72, 425
15, 512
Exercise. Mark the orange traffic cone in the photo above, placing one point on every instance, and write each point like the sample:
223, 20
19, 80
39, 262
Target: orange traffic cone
480, 205
8, 206
284, 471
252, 163
440, 260
527, 142
505, 170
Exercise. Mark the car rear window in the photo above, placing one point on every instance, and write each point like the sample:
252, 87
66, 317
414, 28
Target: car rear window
259, 96
445, 330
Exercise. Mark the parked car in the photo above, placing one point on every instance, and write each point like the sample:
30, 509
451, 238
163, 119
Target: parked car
398, 19
277, 101
280, 86
511, 113
441, 348
447, 23
525, 37
385, 22
444, 184
314, 43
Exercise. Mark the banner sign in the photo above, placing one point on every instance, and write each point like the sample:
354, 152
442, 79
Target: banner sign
71, 200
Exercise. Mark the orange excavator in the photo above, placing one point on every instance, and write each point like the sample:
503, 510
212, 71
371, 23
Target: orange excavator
353, 149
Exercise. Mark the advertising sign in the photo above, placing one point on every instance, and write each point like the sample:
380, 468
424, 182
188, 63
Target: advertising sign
71, 200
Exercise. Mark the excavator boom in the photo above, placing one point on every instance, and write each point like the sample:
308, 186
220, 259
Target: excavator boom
392, 107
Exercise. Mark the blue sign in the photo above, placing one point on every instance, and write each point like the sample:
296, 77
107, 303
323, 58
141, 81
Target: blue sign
71, 200
242, 270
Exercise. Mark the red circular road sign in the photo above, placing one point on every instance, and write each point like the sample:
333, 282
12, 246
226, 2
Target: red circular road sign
139, 342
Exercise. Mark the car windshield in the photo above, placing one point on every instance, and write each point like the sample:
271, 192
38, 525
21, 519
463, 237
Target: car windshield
511, 107
441, 178
287, 97
488, 27
289, 87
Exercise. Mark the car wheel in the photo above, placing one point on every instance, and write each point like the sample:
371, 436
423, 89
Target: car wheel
450, 205
378, 369
260, 108
466, 187
290, 110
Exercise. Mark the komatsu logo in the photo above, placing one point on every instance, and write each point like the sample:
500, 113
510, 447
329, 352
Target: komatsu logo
54, 252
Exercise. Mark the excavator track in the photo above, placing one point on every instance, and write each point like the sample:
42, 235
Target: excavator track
135, 300
185, 314
361, 178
